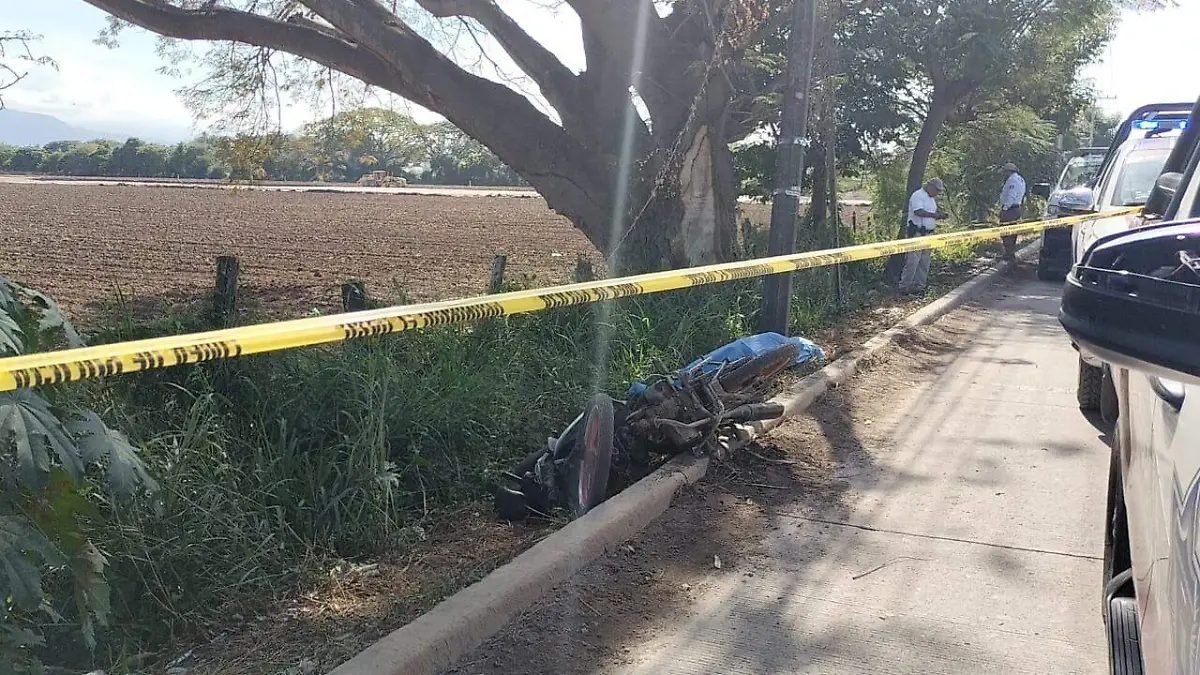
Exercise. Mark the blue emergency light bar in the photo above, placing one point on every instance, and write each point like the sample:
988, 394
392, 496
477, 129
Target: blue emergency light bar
1150, 125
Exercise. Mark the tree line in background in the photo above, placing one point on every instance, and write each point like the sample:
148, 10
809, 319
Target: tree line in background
340, 148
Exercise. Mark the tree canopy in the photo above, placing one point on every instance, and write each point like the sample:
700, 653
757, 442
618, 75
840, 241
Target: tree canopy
970, 58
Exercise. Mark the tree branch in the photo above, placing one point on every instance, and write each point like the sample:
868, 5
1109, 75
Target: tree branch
558, 84
214, 22
10, 76
604, 93
611, 31
614, 23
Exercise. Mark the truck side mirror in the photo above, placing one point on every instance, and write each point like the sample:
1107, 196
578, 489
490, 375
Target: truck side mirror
1041, 190
1134, 300
1163, 193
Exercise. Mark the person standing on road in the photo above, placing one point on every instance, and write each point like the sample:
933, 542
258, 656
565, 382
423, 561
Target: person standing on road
922, 219
1012, 196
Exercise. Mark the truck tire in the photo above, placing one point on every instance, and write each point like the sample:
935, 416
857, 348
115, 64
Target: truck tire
1088, 390
1109, 407
1124, 637
1044, 273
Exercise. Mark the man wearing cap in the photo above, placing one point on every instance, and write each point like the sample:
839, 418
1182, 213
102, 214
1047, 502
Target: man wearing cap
1012, 196
922, 219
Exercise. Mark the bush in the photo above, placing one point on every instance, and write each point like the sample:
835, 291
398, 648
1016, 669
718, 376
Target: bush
63, 471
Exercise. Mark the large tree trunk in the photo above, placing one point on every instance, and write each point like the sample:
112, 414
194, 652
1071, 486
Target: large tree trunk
689, 219
939, 112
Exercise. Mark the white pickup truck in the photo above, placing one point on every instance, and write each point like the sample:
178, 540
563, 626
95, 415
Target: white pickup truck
1133, 300
1125, 182
1124, 179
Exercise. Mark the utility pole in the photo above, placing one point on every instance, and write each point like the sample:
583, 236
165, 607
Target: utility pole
789, 165
835, 213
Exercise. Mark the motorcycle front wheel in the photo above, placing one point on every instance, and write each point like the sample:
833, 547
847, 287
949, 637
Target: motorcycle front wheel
585, 470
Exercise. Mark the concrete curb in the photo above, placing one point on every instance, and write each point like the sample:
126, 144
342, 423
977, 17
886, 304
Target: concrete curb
439, 638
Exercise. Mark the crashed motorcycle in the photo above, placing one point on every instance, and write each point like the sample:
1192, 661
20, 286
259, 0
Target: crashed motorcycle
612, 444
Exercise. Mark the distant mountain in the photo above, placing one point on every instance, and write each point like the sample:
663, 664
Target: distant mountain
25, 128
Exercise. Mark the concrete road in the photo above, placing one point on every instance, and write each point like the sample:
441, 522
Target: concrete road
965, 536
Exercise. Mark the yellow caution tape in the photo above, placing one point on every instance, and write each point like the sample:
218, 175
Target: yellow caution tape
36, 370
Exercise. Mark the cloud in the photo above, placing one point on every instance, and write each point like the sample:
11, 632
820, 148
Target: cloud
96, 84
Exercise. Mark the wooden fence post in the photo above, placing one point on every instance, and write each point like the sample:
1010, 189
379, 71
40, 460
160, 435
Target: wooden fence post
354, 296
225, 294
497, 282
583, 270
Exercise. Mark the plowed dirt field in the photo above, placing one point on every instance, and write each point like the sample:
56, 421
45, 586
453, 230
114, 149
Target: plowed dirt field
156, 246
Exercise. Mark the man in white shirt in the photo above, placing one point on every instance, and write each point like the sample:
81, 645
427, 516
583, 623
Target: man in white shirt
922, 220
1012, 196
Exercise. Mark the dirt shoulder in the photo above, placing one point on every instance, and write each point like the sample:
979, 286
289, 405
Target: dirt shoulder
618, 606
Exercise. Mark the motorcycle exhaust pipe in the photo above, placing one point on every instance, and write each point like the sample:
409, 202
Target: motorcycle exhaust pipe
755, 412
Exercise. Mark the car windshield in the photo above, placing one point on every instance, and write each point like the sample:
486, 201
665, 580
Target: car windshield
1079, 171
1138, 175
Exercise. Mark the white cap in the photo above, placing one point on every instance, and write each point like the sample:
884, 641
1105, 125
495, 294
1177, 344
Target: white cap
936, 184
1009, 167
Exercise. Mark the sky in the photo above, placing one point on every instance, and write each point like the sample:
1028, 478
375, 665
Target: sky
120, 89
1151, 59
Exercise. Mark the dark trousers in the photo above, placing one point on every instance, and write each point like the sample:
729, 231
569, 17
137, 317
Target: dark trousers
1010, 215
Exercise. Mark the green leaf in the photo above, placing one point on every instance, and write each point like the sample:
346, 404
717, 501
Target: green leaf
8, 290
19, 638
17, 651
29, 427
126, 472
10, 335
53, 318
32, 464
10, 330
92, 593
20, 542
62, 512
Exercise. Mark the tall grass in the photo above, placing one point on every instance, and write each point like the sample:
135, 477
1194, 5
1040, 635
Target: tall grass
270, 465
